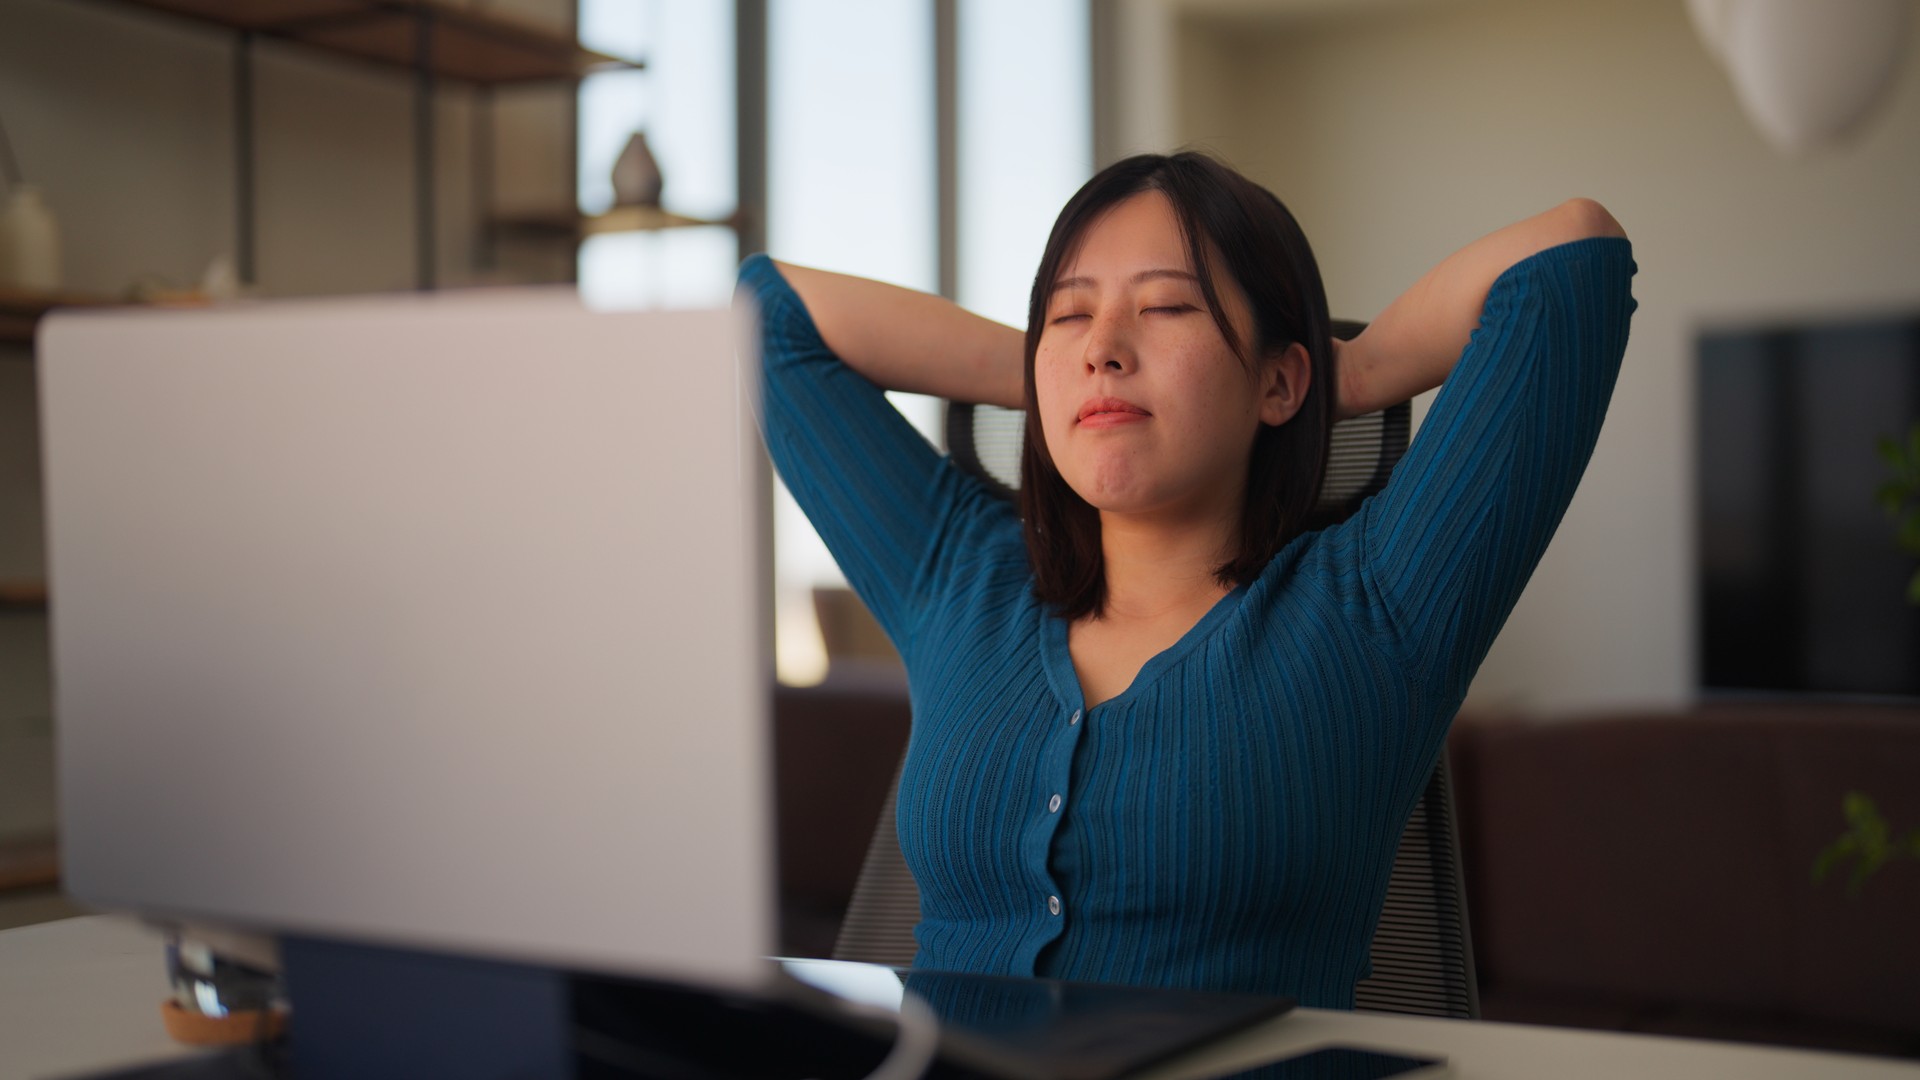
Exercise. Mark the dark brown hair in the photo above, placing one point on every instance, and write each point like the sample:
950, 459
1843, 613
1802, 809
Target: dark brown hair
1265, 252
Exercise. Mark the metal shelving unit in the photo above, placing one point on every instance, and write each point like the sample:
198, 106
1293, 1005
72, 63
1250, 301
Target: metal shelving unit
432, 41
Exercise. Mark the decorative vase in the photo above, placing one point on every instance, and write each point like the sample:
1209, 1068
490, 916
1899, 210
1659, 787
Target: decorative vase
29, 240
636, 175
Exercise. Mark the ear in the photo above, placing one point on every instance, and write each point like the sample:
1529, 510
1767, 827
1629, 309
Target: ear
1285, 377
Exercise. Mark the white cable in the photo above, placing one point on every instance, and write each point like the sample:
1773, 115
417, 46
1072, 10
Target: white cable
914, 1045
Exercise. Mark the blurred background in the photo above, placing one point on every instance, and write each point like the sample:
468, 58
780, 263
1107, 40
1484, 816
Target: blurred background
1725, 551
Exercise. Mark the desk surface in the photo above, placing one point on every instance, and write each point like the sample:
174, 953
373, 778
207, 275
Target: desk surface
84, 994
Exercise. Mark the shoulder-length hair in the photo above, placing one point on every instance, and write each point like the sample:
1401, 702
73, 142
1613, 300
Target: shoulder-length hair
1222, 216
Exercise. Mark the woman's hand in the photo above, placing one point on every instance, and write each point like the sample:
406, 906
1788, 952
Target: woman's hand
1411, 348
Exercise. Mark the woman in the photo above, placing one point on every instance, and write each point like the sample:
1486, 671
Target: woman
1164, 732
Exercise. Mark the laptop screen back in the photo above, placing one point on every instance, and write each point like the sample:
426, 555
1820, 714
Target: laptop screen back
431, 621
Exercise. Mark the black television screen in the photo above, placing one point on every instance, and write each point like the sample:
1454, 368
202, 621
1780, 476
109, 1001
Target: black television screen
1802, 583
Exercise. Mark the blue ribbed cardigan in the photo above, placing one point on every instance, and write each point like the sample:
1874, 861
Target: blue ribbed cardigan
1229, 821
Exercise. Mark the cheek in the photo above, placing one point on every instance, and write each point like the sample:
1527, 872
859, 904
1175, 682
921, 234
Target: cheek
1221, 413
1049, 391
1048, 361
1053, 429
1217, 378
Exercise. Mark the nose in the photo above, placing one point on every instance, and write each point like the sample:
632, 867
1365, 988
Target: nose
1110, 344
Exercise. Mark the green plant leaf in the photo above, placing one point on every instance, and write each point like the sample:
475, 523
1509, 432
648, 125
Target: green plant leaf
1904, 461
1863, 872
1836, 852
1889, 452
1890, 495
1858, 808
1913, 589
1910, 532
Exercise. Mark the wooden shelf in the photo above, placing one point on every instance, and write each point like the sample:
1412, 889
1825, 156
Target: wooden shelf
21, 309
643, 219
621, 219
29, 864
471, 45
23, 596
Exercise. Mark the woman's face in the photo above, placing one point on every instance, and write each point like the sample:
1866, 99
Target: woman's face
1145, 408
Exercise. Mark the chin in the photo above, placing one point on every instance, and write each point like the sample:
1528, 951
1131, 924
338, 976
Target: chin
1118, 485
1117, 494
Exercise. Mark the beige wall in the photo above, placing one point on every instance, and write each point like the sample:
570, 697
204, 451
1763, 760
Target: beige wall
125, 119
1398, 135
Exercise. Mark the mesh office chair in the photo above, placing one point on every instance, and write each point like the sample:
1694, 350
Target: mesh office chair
1422, 954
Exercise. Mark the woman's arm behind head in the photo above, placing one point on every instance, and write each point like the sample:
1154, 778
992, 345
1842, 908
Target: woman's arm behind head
901, 339
1412, 346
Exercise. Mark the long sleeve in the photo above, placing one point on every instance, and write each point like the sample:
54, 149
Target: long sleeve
1450, 542
877, 493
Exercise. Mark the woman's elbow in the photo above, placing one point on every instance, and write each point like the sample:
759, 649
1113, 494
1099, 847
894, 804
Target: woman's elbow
1584, 219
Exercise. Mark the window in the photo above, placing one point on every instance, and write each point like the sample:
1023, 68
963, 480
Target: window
853, 183
684, 100
850, 187
1025, 142
852, 174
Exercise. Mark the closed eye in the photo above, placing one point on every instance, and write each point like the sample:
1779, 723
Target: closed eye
1174, 310
1058, 319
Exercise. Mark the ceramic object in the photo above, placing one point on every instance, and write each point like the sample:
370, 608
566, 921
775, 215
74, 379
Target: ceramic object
636, 175
1806, 74
217, 999
29, 240
220, 282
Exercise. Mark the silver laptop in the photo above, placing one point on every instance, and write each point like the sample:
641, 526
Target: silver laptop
434, 622
429, 620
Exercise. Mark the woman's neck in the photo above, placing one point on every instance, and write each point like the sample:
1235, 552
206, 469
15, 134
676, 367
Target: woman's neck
1157, 568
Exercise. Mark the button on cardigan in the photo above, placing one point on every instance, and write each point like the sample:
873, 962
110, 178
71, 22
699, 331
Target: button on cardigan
1230, 820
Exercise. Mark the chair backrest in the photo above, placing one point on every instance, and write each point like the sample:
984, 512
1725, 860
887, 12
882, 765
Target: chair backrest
1422, 952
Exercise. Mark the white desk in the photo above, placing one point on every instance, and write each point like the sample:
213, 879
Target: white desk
84, 994
81, 995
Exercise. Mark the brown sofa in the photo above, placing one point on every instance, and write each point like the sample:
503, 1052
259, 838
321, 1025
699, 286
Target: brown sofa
836, 746
1643, 872
1653, 872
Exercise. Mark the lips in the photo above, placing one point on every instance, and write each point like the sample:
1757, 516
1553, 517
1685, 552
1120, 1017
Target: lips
1099, 412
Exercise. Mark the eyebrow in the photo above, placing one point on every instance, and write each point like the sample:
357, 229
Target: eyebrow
1142, 276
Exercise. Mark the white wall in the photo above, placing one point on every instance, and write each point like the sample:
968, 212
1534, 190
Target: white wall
125, 118
1398, 135
1140, 60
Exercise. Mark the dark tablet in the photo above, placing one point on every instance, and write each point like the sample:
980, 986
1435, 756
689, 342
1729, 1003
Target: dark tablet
1045, 1029
991, 1027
